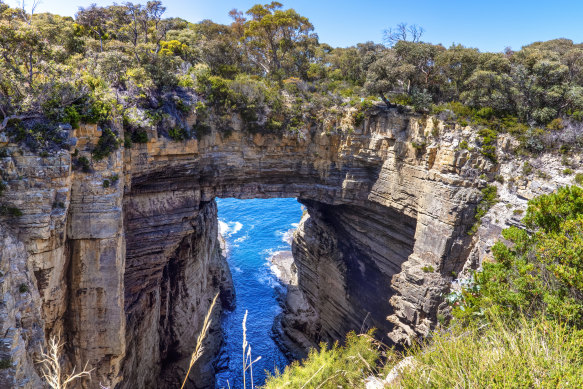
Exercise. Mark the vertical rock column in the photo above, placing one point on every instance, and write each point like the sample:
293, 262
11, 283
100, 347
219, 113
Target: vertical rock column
95, 323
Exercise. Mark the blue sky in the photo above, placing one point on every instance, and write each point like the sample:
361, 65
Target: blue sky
488, 25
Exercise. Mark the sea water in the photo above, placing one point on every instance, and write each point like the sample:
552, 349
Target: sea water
254, 231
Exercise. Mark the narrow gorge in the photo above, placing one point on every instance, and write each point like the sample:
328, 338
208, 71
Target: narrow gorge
125, 271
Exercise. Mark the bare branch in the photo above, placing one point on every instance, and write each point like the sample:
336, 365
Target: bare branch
51, 366
403, 32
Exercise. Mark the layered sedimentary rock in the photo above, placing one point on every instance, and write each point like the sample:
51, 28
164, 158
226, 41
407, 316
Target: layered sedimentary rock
125, 271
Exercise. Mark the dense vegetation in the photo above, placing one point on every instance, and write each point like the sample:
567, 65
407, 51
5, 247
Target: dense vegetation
127, 64
517, 323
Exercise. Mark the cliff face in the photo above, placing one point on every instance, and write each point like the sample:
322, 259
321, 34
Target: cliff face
125, 272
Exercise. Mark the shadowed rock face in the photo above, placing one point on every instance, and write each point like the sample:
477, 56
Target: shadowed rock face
128, 271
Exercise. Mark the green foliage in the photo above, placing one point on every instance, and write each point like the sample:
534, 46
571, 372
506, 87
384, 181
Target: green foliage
72, 117
488, 148
114, 179
107, 143
489, 198
139, 136
418, 145
106, 183
579, 179
428, 269
556, 124
530, 354
540, 272
10, 211
127, 140
5, 363
177, 133
83, 163
23, 288
338, 366
567, 171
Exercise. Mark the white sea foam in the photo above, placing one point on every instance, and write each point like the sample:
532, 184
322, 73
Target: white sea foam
275, 271
268, 253
266, 278
223, 227
230, 228
242, 239
236, 228
287, 236
295, 225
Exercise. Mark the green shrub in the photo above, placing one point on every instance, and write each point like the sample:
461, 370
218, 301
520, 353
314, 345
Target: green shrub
527, 168
139, 136
464, 145
127, 140
579, 178
106, 144
106, 183
488, 143
556, 124
84, 164
335, 367
567, 171
489, 198
72, 116
182, 106
5, 363
428, 269
10, 211
418, 145
177, 133
23, 288
358, 118
540, 271
485, 113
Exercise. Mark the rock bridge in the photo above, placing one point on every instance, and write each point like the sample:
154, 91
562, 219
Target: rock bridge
123, 261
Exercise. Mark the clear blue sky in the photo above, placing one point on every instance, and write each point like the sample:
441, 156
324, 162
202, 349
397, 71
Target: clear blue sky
488, 25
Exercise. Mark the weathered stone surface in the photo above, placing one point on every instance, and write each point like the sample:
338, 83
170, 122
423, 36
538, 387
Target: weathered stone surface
126, 272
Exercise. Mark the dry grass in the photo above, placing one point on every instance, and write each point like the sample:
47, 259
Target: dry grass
199, 348
247, 358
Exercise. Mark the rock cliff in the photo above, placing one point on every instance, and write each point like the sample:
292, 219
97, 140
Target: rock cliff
122, 260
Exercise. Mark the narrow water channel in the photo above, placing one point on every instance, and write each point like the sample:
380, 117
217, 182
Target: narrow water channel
254, 231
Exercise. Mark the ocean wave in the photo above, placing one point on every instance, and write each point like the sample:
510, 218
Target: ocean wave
287, 236
229, 229
266, 277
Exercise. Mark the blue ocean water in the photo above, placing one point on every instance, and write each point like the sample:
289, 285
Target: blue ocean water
254, 230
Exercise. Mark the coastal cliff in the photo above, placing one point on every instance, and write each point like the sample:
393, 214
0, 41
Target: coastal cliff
125, 271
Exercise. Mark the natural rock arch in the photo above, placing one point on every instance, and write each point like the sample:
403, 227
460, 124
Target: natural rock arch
134, 261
